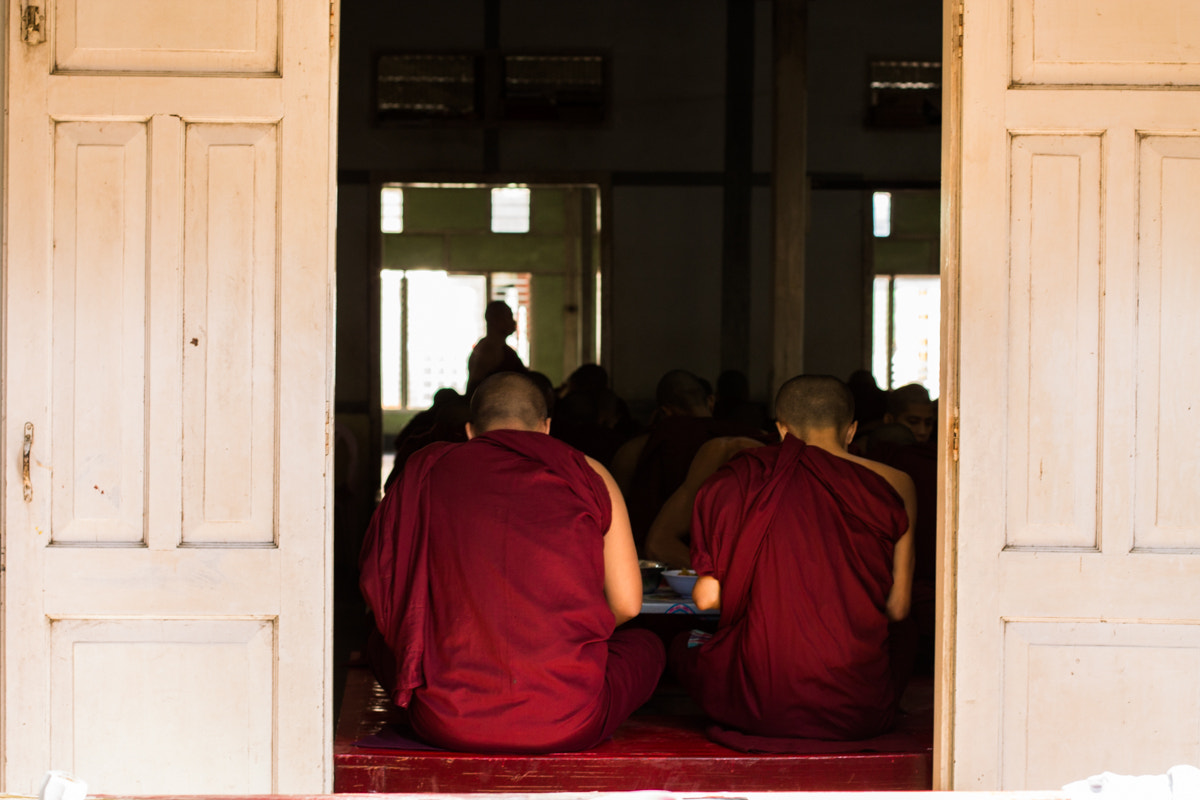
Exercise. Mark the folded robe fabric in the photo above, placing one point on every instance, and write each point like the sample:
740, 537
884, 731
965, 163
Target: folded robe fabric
664, 461
801, 542
492, 598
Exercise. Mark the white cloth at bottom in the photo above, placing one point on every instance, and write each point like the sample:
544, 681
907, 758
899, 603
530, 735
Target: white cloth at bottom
1180, 783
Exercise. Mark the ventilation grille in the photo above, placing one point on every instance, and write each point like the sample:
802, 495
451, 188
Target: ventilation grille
905, 94
427, 87
554, 88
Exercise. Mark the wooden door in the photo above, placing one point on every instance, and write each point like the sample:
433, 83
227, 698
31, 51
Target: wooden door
167, 311
1077, 573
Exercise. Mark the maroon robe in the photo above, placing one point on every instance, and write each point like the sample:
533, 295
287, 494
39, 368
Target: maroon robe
664, 462
801, 542
484, 568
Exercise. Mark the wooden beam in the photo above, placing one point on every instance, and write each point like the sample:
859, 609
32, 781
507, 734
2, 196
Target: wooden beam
948, 484
739, 176
789, 196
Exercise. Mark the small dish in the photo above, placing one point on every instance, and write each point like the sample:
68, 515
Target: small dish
680, 583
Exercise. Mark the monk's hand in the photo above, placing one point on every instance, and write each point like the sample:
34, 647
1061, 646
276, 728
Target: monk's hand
706, 594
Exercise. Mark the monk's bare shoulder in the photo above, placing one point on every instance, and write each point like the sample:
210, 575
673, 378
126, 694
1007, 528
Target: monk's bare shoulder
716, 452
600, 470
899, 480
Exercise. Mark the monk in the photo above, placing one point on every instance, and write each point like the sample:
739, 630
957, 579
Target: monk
497, 570
911, 407
492, 354
668, 540
652, 466
807, 551
908, 445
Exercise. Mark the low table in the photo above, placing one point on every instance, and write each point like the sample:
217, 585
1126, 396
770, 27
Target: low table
666, 601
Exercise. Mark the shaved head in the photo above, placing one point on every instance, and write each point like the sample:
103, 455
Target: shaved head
911, 407
508, 400
900, 400
813, 403
681, 391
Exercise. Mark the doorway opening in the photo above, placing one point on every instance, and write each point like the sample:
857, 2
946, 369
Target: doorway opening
905, 288
447, 250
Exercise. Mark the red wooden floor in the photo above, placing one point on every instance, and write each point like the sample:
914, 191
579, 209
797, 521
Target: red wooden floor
653, 750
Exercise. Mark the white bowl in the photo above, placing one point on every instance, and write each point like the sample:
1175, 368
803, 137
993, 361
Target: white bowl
681, 584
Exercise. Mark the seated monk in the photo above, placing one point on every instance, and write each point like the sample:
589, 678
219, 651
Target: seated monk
896, 445
911, 407
807, 551
668, 539
497, 570
652, 466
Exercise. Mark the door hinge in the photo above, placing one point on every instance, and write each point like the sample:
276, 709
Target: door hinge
328, 429
956, 29
954, 437
33, 22
333, 27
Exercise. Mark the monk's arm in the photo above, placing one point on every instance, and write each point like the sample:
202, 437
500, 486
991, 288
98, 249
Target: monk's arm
665, 539
706, 594
904, 556
622, 577
624, 462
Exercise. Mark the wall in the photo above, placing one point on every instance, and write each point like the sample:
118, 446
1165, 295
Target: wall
847, 159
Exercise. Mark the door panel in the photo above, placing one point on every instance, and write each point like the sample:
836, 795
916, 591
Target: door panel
1097, 42
216, 677
168, 326
99, 345
1076, 559
231, 319
1168, 418
1054, 326
1059, 666
166, 35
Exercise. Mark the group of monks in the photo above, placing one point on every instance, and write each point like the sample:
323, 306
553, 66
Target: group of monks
500, 571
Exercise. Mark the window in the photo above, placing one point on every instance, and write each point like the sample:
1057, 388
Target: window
905, 94
510, 210
430, 320
391, 209
422, 87
467, 88
554, 88
881, 214
906, 316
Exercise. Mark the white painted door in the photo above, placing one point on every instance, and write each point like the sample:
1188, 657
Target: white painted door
167, 311
1077, 643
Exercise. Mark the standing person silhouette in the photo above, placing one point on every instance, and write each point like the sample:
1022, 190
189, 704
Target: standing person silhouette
492, 354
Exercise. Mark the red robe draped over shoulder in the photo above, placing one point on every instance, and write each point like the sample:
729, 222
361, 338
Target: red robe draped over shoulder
664, 461
801, 542
484, 569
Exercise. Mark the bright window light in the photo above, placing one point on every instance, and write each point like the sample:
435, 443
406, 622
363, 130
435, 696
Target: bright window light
391, 322
445, 320
513, 288
881, 207
391, 209
881, 331
429, 321
906, 331
510, 210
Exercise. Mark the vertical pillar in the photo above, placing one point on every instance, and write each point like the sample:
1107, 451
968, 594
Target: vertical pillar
493, 85
739, 169
789, 186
